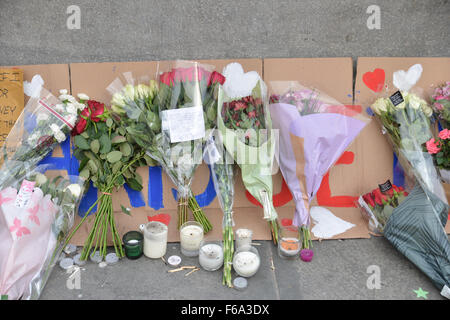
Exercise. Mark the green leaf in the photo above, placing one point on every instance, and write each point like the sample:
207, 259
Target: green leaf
95, 146
118, 139
125, 148
84, 173
134, 184
116, 167
125, 210
81, 142
92, 166
114, 156
105, 144
109, 122
85, 135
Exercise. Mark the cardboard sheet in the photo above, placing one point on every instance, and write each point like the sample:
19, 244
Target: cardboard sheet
332, 76
377, 152
11, 99
93, 79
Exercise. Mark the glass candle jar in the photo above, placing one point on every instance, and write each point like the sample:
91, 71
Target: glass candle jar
155, 239
191, 235
243, 238
210, 255
288, 242
133, 242
246, 261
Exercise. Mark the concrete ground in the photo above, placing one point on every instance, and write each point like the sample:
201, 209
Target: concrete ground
35, 32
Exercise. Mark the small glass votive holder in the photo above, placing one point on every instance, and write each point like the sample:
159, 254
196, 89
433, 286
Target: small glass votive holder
133, 241
210, 255
246, 261
288, 242
191, 235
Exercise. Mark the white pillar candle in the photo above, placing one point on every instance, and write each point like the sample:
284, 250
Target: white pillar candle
155, 239
243, 237
211, 256
246, 263
191, 235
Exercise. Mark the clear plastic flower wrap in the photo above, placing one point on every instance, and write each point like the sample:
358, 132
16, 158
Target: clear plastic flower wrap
314, 131
416, 226
245, 124
222, 169
45, 122
36, 214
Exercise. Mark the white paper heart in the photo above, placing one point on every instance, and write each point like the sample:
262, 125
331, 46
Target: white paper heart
33, 88
327, 225
404, 81
239, 84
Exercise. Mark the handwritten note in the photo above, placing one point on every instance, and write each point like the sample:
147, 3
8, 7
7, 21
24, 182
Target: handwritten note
185, 124
11, 99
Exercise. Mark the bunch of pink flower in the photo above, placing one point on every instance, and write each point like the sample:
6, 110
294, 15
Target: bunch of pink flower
440, 149
441, 104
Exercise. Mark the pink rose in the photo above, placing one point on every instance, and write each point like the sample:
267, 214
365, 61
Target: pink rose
432, 146
444, 134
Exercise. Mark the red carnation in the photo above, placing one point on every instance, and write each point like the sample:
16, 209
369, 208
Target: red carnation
252, 114
240, 106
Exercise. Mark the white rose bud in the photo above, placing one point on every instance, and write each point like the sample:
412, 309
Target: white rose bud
54, 127
427, 110
141, 91
40, 179
83, 96
128, 91
63, 91
71, 108
414, 101
60, 136
75, 189
379, 106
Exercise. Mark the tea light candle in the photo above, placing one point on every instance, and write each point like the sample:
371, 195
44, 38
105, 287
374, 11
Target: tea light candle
191, 235
155, 239
246, 263
243, 237
289, 247
210, 256
133, 243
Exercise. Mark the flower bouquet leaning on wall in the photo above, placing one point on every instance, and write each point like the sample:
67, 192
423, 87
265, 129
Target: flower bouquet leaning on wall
314, 132
245, 125
36, 214
416, 226
109, 157
43, 124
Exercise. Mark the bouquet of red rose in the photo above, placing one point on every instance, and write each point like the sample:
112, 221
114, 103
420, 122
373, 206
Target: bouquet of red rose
186, 102
109, 158
378, 205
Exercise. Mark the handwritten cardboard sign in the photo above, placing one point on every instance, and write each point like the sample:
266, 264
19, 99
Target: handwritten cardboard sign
11, 99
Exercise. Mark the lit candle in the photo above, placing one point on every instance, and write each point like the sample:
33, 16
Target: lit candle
246, 262
288, 242
210, 256
289, 247
191, 235
155, 239
243, 237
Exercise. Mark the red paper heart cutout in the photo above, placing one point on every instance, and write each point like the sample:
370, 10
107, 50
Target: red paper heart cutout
374, 80
162, 217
